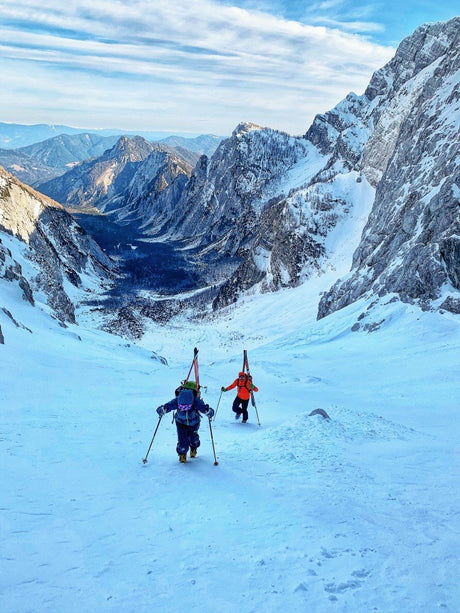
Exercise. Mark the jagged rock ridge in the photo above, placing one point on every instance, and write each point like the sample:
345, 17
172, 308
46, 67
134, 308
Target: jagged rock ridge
59, 254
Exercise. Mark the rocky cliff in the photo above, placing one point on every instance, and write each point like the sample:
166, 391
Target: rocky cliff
411, 242
94, 182
45, 252
135, 179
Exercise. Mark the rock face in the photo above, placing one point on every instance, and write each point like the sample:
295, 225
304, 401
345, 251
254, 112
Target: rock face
94, 182
152, 193
236, 213
411, 242
259, 213
60, 256
136, 179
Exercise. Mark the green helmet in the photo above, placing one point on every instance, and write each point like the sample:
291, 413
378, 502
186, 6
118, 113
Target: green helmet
190, 385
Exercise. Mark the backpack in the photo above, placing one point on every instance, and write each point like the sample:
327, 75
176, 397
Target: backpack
185, 400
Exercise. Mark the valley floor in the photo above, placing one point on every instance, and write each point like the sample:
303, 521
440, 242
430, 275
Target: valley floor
357, 513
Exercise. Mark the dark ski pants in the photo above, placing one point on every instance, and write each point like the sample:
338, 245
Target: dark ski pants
241, 406
187, 436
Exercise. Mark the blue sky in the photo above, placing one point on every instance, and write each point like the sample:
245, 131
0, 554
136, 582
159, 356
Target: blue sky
198, 66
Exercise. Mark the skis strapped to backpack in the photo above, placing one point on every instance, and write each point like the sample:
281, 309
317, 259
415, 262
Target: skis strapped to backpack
194, 366
246, 370
184, 403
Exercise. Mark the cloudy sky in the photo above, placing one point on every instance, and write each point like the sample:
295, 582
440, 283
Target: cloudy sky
198, 66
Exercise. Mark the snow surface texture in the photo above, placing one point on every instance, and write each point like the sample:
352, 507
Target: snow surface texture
357, 513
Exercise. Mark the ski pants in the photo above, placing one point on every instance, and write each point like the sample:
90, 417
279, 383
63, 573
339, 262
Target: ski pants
187, 436
241, 406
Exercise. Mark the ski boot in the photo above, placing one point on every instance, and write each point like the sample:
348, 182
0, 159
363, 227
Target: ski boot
237, 415
193, 452
182, 458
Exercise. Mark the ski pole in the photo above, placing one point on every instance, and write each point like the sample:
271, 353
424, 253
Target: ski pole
151, 442
255, 406
213, 448
217, 408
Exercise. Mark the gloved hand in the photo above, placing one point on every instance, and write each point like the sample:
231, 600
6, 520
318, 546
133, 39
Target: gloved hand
210, 413
223, 389
161, 411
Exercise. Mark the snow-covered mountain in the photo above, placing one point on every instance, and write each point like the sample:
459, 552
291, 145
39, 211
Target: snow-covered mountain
268, 210
45, 253
411, 242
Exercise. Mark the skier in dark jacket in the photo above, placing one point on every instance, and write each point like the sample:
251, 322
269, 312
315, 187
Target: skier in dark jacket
187, 406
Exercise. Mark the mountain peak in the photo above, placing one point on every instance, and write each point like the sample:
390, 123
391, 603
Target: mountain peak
136, 147
245, 127
427, 44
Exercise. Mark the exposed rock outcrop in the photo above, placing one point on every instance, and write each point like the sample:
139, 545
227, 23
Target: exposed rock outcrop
410, 244
135, 178
60, 253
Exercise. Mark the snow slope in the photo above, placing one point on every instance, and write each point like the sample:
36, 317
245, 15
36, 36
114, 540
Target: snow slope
359, 513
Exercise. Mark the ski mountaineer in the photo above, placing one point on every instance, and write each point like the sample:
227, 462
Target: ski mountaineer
187, 406
245, 387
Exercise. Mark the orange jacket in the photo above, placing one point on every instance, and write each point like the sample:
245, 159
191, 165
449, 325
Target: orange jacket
244, 391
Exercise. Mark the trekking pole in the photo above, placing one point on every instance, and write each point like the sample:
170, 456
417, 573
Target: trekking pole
213, 448
217, 408
151, 442
255, 406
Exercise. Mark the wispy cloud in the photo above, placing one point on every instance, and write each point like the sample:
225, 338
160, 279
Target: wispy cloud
345, 15
185, 63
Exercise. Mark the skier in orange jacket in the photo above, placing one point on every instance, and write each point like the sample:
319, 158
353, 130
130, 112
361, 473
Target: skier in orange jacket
245, 387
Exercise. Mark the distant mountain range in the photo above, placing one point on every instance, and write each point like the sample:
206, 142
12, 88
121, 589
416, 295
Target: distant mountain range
15, 135
45, 160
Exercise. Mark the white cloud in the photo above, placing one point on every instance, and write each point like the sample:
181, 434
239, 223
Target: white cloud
182, 56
